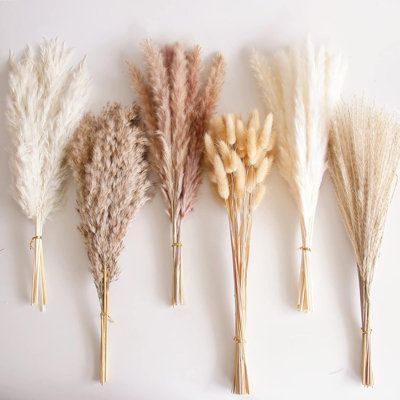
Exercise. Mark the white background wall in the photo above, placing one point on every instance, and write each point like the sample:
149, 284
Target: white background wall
155, 351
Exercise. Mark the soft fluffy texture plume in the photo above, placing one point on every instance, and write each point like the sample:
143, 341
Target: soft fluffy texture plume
176, 108
107, 157
46, 100
239, 158
364, 153
300, 86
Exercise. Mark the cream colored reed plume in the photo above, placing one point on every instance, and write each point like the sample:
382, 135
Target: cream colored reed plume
300, 87
239, 157
45, 102
364, 153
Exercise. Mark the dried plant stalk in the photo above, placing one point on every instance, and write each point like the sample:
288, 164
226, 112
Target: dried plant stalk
45, 102
107, 157
300, 87
176, 108
239, 159
364, 152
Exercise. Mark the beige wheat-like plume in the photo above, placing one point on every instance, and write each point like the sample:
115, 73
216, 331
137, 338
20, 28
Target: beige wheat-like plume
239, 157
300, 86
45, 102
176, 107
107, 157
364, 152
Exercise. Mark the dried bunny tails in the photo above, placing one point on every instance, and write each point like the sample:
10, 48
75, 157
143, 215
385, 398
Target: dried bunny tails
176, 109
107, 157
45, 102
239, 158
364, 152
300, 87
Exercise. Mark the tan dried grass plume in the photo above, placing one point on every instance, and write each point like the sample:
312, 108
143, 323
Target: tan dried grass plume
176, 108
300, 86
239, 157
107, 157
364, 152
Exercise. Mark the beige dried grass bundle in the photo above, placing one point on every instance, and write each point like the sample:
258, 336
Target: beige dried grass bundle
176, 108
300, 86
45, 103
107, 157
239, 157
364, 152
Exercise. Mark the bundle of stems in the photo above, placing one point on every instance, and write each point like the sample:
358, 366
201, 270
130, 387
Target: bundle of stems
364, 152
107, 157
45, 103
239, 158
176, 108
300, 86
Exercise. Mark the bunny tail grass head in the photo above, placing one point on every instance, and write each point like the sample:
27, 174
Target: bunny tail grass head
239, 157
300, 86
46, 99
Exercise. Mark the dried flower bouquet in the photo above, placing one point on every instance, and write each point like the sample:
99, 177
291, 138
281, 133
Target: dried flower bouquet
107, 157
45, 103
364, 152
239, 158
300, 87
176, 108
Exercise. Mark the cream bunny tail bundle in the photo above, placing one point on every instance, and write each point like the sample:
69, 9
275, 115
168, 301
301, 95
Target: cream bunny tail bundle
45, 102
364, 153
239, 158
300, 86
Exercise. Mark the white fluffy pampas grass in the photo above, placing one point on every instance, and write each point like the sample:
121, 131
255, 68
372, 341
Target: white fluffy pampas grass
45, 103
300, 87
364, 152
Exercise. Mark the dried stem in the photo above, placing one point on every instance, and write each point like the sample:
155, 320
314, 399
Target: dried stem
38, 277
366, 363
177, 284
104, 327
304, 301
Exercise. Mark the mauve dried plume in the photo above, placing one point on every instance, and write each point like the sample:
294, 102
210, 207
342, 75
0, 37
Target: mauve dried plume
176, 107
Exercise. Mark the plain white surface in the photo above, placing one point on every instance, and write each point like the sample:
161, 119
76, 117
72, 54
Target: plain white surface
155, 351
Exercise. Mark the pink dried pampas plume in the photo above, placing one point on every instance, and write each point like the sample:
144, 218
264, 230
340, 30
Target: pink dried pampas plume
176, 108
364, 151
45, 103
300, 86
107, 157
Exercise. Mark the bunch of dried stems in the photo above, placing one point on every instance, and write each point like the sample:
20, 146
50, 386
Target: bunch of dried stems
108, 159
364, 152
176, 109
300, 86
239, 158
45, 103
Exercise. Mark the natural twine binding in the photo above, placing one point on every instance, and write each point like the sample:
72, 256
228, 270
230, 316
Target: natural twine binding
38, 276
304, 301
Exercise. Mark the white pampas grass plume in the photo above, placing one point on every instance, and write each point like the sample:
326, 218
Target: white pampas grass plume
300, 86
45, 102
364, 151
239, 183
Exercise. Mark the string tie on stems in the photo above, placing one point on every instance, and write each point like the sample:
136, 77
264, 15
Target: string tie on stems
176, 244
36, 237
305, 248
238, 340
366, 331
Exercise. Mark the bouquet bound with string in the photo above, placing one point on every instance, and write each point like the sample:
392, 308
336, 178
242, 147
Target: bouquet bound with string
107, 157
45, 103
176, 107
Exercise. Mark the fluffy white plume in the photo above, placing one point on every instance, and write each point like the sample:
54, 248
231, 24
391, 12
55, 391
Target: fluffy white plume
300, 87
46, 101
